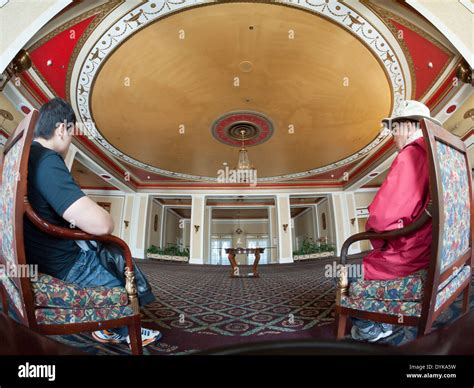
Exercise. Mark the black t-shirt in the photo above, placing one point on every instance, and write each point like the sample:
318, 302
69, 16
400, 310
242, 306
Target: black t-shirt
51, 190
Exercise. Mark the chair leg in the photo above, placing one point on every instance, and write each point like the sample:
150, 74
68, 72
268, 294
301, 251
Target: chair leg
3, 296
135, 333
465, 300
423, 329
340, 326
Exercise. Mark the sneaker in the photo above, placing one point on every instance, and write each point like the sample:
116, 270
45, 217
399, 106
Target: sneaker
108, 337
387, 327
372, 333
148, 337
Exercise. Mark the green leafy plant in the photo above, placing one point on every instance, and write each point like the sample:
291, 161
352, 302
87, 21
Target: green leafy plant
309, 246
153, 249
170, 250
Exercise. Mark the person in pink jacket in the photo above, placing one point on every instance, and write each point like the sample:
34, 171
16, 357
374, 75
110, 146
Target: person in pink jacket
401, 199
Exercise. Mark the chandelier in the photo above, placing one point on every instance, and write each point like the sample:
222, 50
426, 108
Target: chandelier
244, 162
238, 230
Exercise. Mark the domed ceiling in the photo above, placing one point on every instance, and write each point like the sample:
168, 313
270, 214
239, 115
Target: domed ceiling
163, 88
309, 82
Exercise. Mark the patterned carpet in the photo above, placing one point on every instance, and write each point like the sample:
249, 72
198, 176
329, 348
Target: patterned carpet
200, 307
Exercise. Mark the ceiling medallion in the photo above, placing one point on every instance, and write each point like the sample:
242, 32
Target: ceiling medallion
255, 127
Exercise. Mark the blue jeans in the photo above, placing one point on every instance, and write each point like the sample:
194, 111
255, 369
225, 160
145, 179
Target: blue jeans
87, 271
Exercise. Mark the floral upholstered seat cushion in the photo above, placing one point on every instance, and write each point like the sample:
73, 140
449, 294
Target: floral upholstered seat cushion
52, 292
394, 297
59, 316
409, 288
360, 300
391, 307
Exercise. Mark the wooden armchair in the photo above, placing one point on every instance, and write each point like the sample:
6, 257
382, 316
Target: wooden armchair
449, 273
49, 305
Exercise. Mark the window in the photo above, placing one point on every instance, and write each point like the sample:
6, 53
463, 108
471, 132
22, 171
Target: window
218, 247
258, 242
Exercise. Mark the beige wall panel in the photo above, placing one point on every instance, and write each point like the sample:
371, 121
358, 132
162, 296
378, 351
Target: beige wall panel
116, 210
364, 199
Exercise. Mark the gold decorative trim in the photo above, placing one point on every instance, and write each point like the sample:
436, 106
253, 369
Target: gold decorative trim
411, 67
385, 15
113, 4
101, 11
425, 95
81, 44
41, 77
387, 75
449, 91
77, 19
25, 88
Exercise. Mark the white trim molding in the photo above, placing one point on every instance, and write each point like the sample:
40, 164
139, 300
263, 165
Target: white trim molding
464, 50
9, 52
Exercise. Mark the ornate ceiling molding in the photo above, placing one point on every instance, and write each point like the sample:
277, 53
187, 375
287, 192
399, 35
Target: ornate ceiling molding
387, 17
145, 14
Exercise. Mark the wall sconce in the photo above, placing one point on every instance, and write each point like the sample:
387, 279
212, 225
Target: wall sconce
19, 64
285, 227
464, 73
353, 220
469, 114
126, 223
196, 228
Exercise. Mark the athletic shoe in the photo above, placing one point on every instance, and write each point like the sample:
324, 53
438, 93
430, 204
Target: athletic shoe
148, 337
387, 327
372, 333
108, 337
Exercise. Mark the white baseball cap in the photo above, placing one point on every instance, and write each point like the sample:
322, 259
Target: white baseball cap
412, 110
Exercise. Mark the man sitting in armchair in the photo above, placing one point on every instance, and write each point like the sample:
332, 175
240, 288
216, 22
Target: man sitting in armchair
55, 197
400, 200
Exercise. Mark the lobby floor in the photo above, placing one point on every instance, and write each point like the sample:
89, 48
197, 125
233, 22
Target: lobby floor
199, 307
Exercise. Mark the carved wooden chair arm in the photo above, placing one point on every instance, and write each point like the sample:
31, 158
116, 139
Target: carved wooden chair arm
415, 225
360, 255
342, 279
72, 234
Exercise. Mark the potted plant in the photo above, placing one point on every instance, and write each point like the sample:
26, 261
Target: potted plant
172, 252
313, 250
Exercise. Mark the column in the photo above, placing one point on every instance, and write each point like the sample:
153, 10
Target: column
207, 234
136, 222
197, 236
163, 226
186, 233
139, 225
285, 244
344, 211
314, 212
270, 253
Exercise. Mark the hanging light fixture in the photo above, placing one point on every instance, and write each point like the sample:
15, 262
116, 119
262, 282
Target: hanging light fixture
238, 230
244, 162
